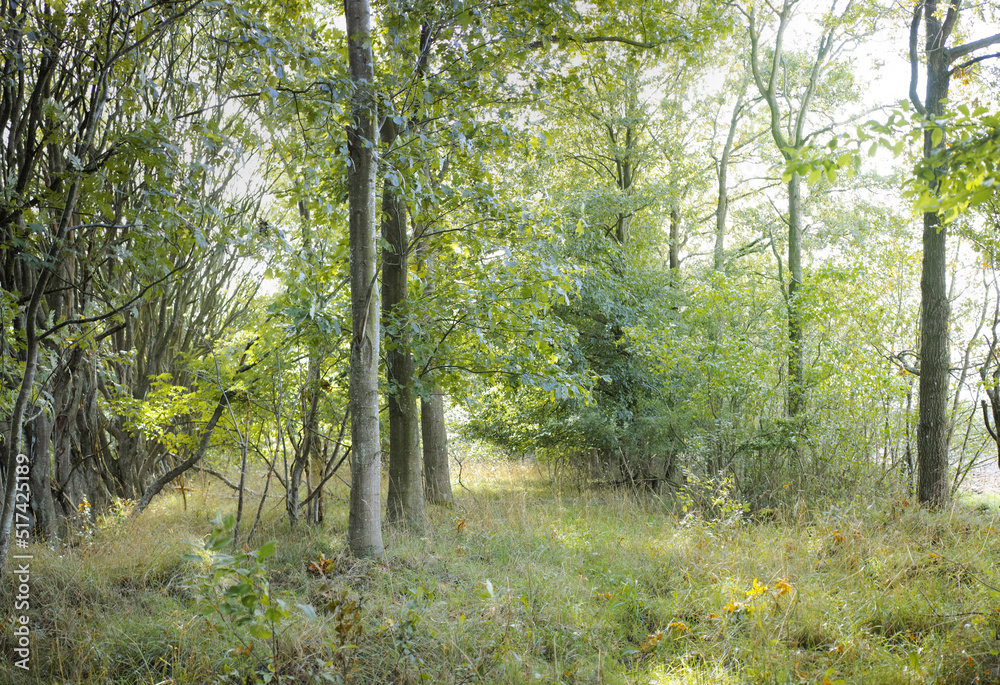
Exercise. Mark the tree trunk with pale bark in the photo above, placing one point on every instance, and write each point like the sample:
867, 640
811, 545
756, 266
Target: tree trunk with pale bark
364, 531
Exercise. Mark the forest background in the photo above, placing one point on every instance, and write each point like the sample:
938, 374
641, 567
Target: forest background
696, 253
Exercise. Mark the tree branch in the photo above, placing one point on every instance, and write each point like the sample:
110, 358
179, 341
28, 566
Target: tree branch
900, 359
229, 483
918, 11
986, 421
963, 50
974, 60
116, 310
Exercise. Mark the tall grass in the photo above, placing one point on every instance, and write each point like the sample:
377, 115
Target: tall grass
522, 582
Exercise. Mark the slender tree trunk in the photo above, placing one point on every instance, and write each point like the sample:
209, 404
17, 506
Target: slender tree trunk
437, 473
772, 89
241, 488
434, 432
796, 387
722, 169
405, 499
675, 240
206, 436
365, 520
15, 440
307, 445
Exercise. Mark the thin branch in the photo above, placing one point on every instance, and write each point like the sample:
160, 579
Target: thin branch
229, 483
117, 310
974, 60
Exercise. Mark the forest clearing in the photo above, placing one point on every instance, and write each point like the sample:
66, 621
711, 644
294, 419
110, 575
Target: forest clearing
524, 581
499, 341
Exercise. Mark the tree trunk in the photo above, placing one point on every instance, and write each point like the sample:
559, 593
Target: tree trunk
365, 522
437, 473
932, 420
15, 440
307, 446
796, 388
932, 423
405, 499
773, 90
39, 450
675, 240
625, 178
154, 488
722, 169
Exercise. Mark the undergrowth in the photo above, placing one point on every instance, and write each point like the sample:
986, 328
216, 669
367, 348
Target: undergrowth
522, 582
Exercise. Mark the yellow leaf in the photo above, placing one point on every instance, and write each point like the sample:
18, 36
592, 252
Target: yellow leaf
757, 590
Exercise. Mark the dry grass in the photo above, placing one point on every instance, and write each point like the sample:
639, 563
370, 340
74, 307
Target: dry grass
522, 582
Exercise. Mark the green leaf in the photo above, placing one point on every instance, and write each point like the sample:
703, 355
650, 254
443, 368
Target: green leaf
260, 632
238, 590
267, 549
218, 542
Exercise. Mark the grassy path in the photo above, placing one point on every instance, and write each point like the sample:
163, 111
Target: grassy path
522, 583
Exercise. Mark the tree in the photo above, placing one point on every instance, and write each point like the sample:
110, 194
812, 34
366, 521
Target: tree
932, 425
364, 526
789, 84
91, 165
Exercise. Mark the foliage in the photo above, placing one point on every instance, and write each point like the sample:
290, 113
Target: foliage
957, 177
232, 593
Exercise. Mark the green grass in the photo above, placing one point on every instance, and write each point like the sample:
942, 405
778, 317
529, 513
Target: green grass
524, 583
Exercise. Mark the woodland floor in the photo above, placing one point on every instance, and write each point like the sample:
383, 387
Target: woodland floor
526, 582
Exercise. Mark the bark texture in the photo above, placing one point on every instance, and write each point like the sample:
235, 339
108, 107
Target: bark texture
932, 424
365, 521
932, 420
437, 471
405, 499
